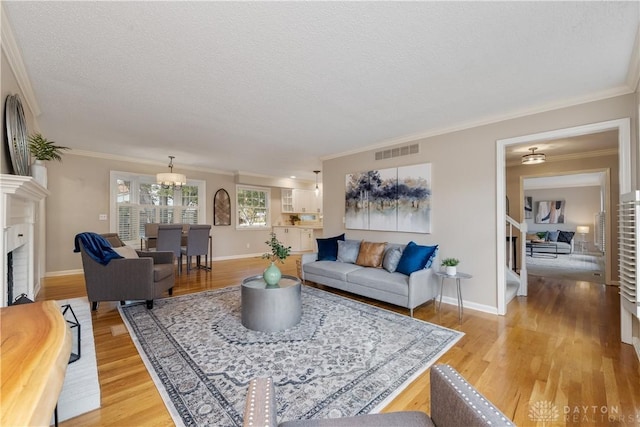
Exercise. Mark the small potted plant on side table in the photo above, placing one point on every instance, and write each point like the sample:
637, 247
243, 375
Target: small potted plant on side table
450, 265
279, 252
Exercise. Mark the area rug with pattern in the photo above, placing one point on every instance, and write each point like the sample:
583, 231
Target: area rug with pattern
575, 266
343, 358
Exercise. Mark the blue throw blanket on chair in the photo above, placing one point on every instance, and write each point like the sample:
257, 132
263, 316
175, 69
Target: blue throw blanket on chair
96, 247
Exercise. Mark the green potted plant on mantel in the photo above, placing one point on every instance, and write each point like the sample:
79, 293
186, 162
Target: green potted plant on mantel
43, 150
450, 266
279, 252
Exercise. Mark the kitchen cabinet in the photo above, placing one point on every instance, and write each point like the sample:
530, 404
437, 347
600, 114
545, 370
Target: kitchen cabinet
306, 201
286, 196
307, 239
300, 239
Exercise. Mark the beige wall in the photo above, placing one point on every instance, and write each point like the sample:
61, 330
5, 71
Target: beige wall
464, 188
79, 189
581, 204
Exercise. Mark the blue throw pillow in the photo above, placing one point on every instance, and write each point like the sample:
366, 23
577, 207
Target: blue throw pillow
348, 250
328, 248
565, 236
391, 259
415, 257
552, 236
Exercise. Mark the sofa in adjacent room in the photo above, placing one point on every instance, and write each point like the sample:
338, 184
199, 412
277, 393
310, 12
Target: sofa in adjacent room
562, 239
393, 273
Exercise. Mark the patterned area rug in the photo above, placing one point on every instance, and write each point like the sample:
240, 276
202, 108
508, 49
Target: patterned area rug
575, 266
344, 358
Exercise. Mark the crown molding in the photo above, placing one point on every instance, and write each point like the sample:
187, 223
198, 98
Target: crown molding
130, 159
633, 75
11, 50
599, 96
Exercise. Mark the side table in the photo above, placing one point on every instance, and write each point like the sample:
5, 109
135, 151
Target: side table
457, 278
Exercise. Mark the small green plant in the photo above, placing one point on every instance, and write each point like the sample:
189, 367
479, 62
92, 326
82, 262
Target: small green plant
43, 149
279, 252
450, 262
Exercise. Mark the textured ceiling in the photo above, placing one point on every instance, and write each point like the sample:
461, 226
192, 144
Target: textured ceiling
273, 87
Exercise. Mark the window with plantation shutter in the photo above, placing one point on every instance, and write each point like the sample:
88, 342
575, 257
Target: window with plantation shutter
138, 199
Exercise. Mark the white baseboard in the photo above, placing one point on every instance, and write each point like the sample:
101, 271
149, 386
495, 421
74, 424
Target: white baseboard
63, 273
467, 304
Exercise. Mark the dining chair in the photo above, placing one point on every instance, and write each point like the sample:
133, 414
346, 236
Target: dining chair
197, 245
169, 239
150, 235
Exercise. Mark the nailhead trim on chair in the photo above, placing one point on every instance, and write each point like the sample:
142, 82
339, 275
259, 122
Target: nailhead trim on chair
447, 371
251, 415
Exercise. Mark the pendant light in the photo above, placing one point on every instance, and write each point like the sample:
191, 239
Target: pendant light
170, 179
317, 190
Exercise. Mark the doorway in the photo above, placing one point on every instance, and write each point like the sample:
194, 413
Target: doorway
622, 126
586, 198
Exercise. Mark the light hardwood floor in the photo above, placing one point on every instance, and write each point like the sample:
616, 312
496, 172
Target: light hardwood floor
557, 349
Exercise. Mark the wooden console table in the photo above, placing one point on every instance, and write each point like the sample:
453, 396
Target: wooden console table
36, 344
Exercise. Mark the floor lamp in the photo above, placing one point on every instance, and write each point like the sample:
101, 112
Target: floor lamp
583, 230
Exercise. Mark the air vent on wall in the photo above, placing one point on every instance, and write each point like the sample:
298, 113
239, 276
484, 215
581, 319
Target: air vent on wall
398, 151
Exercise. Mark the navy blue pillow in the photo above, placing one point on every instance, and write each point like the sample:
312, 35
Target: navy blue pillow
328, 248
414, 258
565, 236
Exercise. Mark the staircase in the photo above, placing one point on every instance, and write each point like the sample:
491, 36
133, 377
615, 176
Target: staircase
516, 279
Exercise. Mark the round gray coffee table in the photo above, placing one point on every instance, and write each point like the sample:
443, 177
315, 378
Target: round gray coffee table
270, 309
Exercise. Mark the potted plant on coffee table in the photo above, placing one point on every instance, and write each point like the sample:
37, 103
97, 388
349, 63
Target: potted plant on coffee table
450, 266
279, 252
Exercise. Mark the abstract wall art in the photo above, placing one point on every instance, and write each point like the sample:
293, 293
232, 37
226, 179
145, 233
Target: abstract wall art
550, 212
394, 199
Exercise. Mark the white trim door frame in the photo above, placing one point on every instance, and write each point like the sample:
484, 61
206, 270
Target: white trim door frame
623, 126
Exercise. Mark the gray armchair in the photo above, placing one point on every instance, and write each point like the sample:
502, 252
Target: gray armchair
143, 278
454, 403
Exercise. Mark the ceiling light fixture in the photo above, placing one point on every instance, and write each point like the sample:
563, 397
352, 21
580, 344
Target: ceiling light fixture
317, 190
170, 179
533, 158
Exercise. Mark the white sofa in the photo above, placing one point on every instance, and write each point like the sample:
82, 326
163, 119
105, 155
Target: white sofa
554, 246
407, 291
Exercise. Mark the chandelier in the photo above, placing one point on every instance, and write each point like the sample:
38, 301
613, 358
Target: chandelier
170, 179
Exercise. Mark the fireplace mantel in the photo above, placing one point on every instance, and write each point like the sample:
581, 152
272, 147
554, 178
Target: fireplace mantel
22, 220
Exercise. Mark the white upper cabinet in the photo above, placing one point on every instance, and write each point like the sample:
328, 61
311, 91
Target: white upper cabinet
306, 201
287, 200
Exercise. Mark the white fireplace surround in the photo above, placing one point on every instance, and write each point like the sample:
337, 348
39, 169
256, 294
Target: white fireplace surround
22, 220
